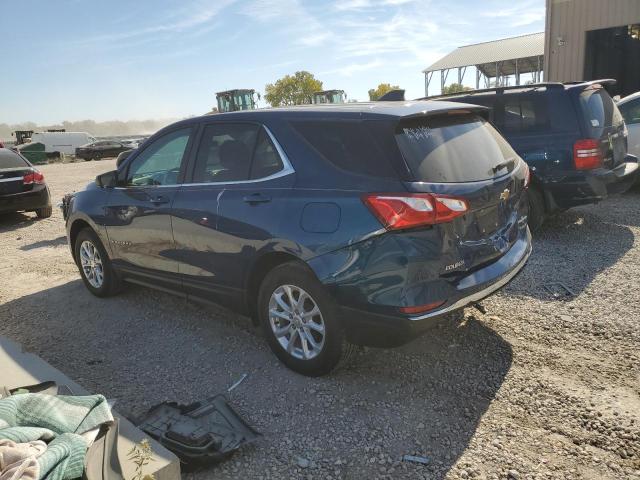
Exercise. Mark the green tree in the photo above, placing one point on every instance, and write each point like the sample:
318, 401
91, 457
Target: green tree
455, 88
376, 93
296, 89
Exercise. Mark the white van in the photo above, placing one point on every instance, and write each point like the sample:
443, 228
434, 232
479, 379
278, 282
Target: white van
63, 142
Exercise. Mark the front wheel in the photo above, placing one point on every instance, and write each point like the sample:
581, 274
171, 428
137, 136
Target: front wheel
94, 265
300, 321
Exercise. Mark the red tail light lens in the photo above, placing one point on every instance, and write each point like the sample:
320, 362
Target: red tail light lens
33, 177
422, 308
399, 211
586, 154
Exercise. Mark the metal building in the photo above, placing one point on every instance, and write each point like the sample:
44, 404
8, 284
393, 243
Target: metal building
503, 60
591, 39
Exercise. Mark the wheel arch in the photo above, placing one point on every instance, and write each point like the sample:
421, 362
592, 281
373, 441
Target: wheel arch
76, 227
259, 270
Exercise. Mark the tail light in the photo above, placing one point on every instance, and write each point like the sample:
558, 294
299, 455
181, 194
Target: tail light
586, 154
421, 308
400, 211
33, 177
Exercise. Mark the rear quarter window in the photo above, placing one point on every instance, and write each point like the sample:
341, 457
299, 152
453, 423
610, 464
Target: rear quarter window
600, 110
9, 159
348, 145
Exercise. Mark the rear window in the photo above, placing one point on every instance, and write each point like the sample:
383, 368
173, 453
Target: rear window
9, 159
349, 145
631, 112
600, 109
454, 148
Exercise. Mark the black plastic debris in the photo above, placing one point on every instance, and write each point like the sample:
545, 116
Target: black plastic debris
559, 290
200, 434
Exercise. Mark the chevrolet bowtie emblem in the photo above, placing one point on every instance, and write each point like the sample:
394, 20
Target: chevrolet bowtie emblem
504, 196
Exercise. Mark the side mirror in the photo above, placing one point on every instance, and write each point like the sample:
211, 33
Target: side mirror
107, 180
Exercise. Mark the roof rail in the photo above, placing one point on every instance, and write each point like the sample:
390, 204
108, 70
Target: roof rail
497, 89
584, 83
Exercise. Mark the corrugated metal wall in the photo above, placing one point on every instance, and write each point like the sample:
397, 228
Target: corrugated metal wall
570, 20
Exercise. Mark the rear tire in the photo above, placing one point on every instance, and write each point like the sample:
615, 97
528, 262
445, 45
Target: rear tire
307, 337
94, 265
537, 213
44, 212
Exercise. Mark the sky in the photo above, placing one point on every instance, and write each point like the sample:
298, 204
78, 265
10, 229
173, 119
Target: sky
123, 60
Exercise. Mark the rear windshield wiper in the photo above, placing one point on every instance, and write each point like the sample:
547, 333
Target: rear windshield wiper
502, 165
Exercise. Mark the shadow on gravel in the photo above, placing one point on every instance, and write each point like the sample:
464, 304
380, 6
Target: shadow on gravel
14, 221
573, 247
55, 242
144, 347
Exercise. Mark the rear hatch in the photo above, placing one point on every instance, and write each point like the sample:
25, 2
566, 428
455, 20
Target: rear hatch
604, 123
461, 155
13, 168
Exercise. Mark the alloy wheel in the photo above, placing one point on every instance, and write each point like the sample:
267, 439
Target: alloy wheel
91, 264
296, 322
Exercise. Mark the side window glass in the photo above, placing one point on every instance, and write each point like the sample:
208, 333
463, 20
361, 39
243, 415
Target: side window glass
266, 160
224, 153
522, 115
631, 112
159, 163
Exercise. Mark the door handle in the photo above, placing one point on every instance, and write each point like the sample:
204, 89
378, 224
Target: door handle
257, 198
159, 200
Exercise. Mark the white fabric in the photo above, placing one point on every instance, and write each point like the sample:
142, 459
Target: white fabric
18, 460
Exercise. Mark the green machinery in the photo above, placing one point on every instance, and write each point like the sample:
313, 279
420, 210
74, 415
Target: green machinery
235, 100
329, 96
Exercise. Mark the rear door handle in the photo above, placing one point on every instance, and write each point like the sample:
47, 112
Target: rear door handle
257, 198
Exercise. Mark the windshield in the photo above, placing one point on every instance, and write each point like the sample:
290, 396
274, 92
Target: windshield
454, 148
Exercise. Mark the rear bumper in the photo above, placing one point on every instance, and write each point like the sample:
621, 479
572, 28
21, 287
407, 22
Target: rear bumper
26, 201
384, 330
593, 186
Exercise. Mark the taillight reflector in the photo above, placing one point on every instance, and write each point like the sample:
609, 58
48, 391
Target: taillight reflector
586, 154
421, 308
33, 177
400, 211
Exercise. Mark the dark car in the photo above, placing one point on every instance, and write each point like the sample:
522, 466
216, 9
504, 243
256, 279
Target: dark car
329, 225
572, 136
101, 149
22, 187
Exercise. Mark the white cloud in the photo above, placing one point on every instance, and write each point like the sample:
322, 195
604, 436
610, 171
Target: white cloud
350, 69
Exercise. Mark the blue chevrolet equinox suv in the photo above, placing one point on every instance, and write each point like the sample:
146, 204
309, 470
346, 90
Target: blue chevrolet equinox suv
328, 225
572, 136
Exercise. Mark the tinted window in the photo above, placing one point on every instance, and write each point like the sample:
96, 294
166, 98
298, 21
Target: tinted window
520, 115
266, 160
225, 152
453, 148
8, 159
631, 111
600, 110
348, 145
159, 163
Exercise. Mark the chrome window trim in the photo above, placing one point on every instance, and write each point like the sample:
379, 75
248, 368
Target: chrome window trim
286, 170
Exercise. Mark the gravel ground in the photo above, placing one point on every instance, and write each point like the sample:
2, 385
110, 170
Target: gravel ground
534, 388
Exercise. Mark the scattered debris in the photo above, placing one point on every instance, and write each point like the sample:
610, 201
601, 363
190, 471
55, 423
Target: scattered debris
559, 290
480, 308
416, 459
201, 433
237, 383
